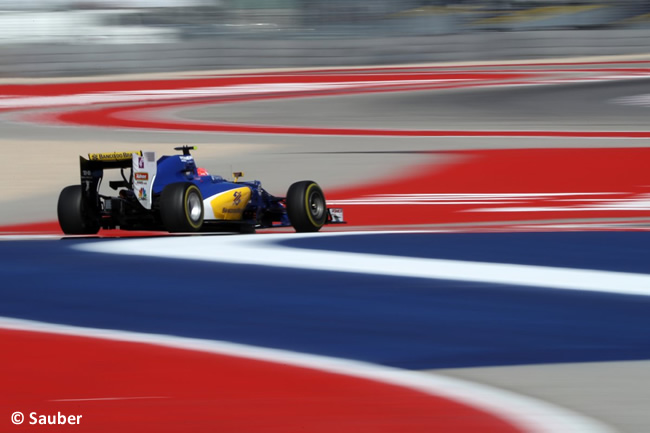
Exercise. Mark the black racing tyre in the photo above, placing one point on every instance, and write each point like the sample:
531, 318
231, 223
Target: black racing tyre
306, 206
74, 218
181, 207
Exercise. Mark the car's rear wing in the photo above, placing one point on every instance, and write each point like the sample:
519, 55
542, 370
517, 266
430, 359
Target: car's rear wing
111, 159
143, 172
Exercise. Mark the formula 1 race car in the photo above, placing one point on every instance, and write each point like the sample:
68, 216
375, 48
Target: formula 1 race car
173, 194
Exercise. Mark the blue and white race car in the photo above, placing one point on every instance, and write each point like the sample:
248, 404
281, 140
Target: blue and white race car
173, 194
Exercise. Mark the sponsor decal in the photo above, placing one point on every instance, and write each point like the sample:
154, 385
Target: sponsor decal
230, 205
237, 196
112, 156
141, 177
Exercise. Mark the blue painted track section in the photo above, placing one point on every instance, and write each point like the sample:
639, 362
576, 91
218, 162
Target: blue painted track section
613, 251
402, 322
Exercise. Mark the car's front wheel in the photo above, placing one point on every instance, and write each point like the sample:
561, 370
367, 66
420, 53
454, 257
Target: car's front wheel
74, 217
181, 207
306, 206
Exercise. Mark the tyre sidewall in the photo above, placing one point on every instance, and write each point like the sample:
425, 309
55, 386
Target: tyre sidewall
73, 216
175, 207
299, 199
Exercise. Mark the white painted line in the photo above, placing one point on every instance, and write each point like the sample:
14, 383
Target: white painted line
475, 198
265, 251
640, 100
27, 237
108, 398
201, 92
531, 415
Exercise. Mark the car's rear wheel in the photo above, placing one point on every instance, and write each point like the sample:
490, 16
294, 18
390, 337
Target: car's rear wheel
74, 217
306, 206
181, 207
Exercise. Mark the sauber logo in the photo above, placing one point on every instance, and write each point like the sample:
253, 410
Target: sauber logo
237, 199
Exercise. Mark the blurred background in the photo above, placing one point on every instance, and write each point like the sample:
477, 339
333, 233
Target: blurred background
88, 37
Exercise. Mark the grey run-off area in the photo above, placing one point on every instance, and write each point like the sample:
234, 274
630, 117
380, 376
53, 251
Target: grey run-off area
47, 38
46, 60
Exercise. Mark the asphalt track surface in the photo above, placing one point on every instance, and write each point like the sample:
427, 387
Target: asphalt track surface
430, 154
590, 106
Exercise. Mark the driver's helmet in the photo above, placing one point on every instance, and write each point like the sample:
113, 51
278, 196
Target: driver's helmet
202, 171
